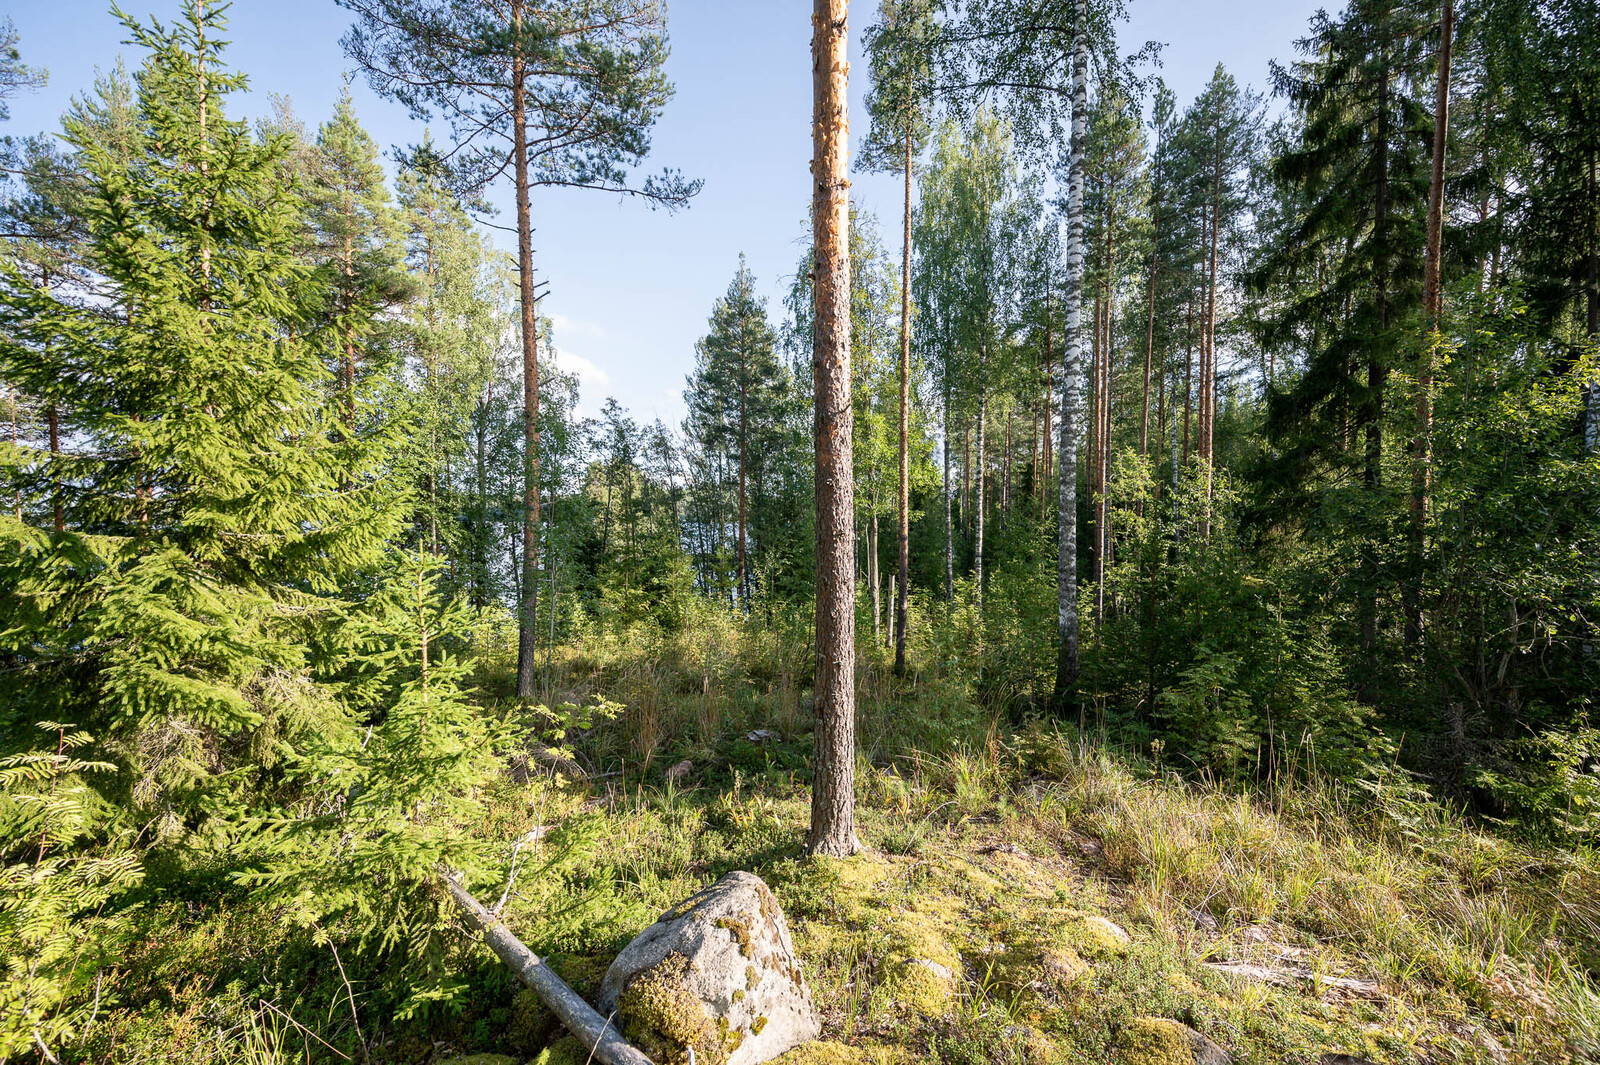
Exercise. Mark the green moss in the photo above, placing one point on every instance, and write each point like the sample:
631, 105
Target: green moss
1154, 1041
532, 1024
924, 932
919, 988
823, 1053
1092, 935
565, 1051
752, 977
757, 1025
738, 994
481, 1059
660, 1015
741, 932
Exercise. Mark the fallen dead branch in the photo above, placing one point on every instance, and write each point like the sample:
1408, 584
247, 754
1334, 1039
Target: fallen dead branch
593, 1031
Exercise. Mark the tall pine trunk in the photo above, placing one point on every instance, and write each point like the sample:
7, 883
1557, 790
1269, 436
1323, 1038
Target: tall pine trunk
1066, 681
833, 780
528, 612
744, 571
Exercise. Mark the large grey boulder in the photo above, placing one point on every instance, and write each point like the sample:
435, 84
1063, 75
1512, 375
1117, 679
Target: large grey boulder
717, 974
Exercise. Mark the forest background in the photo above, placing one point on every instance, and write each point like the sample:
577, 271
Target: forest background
1266, 459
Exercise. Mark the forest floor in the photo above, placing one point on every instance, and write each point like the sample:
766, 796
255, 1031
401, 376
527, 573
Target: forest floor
1022, 896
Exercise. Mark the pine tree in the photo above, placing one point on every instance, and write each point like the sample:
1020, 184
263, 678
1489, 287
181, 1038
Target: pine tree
558, 93
901, 48
355, 236
833, 785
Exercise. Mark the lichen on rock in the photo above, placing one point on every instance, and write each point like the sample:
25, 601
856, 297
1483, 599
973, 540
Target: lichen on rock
660, 1015
717, 974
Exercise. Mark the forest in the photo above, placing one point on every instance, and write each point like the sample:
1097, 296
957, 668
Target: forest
1138, 602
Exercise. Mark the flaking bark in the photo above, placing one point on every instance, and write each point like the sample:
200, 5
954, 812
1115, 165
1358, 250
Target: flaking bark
833, 781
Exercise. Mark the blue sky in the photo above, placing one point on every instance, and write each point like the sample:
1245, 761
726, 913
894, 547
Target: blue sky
631, 289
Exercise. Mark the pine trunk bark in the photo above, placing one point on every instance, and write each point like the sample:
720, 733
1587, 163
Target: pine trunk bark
833, 780
744, 572
528, 609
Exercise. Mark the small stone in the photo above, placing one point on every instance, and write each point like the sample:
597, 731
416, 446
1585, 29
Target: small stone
1094, 935
1063, 966
1343, 1059
1159, 1041
717, 974
924, 986
1204, 921
761, 736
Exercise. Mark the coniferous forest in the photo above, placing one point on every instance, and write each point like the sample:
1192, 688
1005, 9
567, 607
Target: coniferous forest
1136, 601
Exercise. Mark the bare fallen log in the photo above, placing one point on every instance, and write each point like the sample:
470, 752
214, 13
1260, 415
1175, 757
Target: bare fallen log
593, 1031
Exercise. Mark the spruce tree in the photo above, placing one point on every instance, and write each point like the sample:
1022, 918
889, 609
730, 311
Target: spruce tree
171, 618
1360, 168
736, 399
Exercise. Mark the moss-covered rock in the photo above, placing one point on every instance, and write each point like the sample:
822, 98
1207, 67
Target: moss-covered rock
1092, 935
1062, 967
720, 976
922, 985
1159, 1041
660, 1015
830, 1053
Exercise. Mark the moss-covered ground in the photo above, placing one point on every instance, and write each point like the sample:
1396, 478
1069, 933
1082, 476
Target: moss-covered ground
1022, 896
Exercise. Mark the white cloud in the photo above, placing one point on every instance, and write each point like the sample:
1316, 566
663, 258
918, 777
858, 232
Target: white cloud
577, 327
586, 371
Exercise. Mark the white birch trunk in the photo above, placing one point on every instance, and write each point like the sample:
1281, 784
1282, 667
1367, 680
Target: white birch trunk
1071, 375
